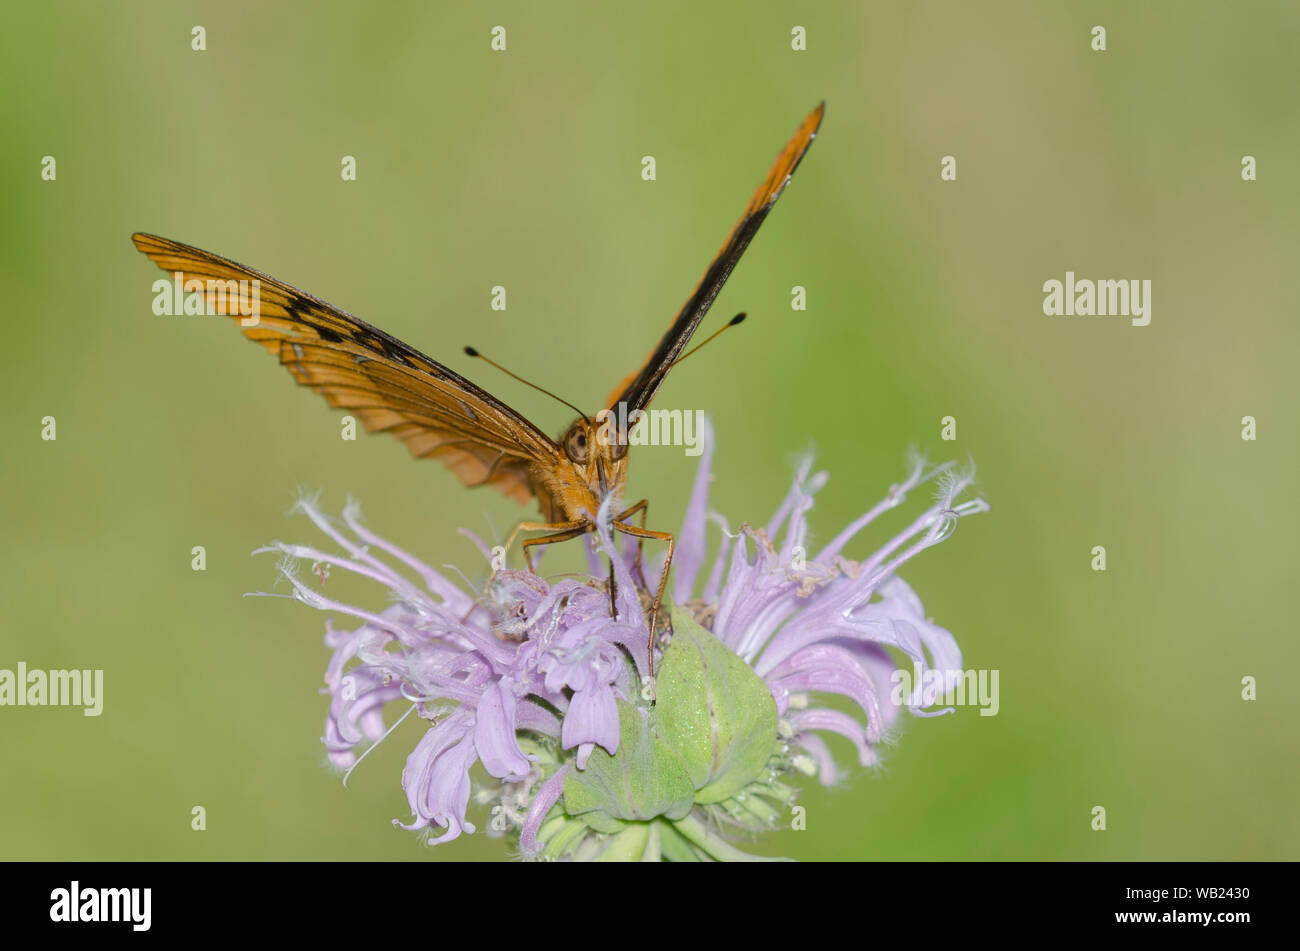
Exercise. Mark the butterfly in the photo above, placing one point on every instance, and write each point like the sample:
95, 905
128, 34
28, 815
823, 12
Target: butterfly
394, 388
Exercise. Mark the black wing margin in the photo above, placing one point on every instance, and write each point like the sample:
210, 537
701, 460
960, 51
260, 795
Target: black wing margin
640, 387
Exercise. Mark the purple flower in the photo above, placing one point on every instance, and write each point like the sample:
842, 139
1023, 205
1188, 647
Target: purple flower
528, 658
526, 678
818, 624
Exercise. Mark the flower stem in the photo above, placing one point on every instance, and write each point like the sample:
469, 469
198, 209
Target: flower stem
698, 835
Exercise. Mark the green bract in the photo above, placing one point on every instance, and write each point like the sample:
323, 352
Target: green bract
710, 735
714, 711
642, 780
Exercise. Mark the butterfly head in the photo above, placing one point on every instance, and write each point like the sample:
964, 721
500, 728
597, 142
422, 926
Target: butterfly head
598, 453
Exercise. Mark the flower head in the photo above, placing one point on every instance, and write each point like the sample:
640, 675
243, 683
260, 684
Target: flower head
819, 624
542, 683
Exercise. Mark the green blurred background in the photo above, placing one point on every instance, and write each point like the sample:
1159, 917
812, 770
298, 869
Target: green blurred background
522, 168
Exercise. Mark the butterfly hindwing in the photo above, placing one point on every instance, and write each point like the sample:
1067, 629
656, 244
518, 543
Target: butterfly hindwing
389, 385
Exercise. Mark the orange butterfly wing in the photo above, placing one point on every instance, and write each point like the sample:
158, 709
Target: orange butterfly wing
639, 388
389, 385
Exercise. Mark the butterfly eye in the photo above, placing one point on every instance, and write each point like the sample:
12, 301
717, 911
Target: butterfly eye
575, 446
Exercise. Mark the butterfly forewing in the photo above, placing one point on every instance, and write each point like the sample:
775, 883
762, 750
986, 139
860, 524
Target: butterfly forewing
639, 388
394, 388
390, 386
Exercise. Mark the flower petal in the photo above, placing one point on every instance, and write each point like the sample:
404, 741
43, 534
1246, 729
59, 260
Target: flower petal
494, 735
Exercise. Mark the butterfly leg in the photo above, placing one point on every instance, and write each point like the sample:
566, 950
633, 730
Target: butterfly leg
564, 531
637, 532
560, 536
644, 508
613, 590
541, 527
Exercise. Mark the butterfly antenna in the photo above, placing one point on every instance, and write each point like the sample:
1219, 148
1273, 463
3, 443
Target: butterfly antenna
470, 351
734, 321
